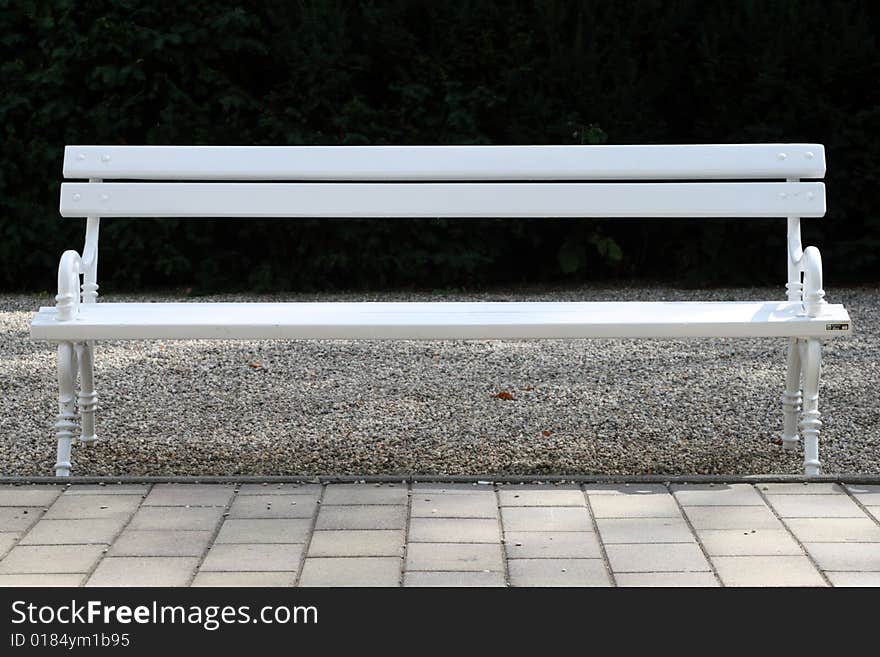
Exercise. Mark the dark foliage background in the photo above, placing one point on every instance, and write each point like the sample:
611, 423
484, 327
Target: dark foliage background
410, 72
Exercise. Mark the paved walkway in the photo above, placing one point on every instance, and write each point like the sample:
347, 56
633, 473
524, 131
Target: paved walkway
815, 534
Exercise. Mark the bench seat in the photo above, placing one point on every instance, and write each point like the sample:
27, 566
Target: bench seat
439, 320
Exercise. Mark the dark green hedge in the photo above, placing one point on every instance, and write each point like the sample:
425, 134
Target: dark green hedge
213, 72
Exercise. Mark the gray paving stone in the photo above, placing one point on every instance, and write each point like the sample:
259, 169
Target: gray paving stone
143, 571
51, 559
644, 530
454, 556
815, 506
455, 578
252, 557
78, 507
626, 489
74, 532
558, 572
800, 489
455, 505
666, 579
656, 557
717, 495
280, 489
869, 495
844, 579
767, 571
66, 580
452, 488
7, 540
516, 496
552, 545
245, 579
18, 518
654, 505
41, 496
863, 489
454, 530
539, 486
161, 543
732, 517
830, 530
351, 571
361, 517
365, 494
846, 556
546, 519
740, 542
108, 489
181, 518
262, 530
189, 495
357, 543
273, 506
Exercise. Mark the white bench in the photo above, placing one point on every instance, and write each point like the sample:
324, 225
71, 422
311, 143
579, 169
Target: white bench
703, 181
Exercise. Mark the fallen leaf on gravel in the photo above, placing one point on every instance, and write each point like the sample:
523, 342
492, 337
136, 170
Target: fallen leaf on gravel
256, 365
503, 395
546, 433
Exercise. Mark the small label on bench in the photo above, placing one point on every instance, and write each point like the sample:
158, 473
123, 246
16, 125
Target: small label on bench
837, 327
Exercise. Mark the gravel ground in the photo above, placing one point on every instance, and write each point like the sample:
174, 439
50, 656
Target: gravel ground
625, 407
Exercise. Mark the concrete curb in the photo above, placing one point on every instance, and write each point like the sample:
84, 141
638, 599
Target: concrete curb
458, 479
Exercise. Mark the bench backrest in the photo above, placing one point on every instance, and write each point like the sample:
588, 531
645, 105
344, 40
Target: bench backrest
751, 180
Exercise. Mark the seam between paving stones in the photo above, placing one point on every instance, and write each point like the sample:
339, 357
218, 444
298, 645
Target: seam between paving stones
308, 542
861, 506
407, 523
602, 551
793, 535
14, 541
125, 525
505, 566
214, 536
696, 536
24, 533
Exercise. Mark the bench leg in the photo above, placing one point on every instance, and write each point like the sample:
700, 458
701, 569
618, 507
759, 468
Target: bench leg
65, 426
810, 423
791, 397
88, 398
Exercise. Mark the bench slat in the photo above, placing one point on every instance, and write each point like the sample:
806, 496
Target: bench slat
761, 199
438, 320
426, 163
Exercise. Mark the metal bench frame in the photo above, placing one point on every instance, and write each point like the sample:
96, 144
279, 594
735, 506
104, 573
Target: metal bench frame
699, 181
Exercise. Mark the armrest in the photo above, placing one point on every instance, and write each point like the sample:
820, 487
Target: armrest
814, 295
68, 298
72, 266
809, 263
